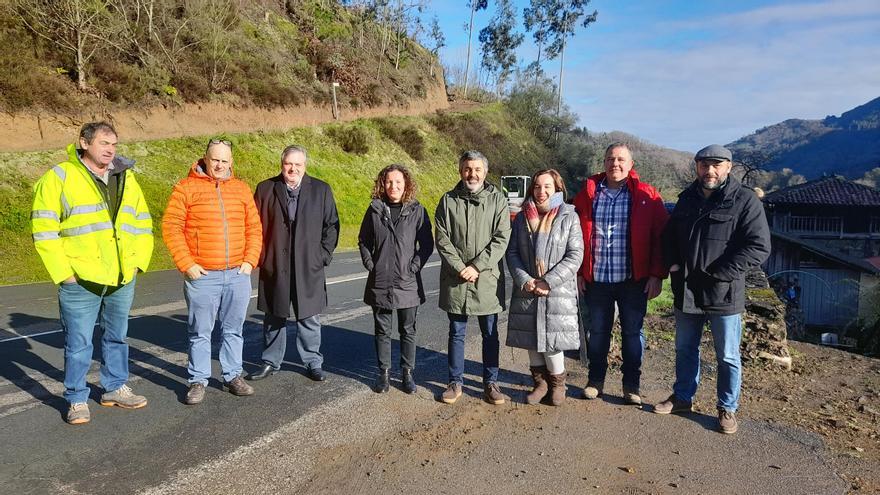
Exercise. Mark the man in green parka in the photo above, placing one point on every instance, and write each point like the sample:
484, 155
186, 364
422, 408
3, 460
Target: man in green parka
472, 230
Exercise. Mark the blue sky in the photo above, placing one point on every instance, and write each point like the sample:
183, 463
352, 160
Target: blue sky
684, 74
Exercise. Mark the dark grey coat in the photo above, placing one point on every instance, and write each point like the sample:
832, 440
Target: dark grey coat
546, 324
714, 241
316, 233
394, 254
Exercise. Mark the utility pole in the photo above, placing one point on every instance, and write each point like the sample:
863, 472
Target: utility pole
335, 107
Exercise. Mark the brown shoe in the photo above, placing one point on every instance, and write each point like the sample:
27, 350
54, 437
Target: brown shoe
196, 394
539, 390
492, 394
557, 388
452, 393
673, 405
237, 386
727, 422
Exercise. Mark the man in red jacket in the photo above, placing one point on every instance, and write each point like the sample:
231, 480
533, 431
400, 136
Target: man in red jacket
622, 219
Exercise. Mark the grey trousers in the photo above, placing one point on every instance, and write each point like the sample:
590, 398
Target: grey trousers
308, 341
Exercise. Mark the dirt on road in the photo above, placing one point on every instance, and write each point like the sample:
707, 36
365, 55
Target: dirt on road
810, 430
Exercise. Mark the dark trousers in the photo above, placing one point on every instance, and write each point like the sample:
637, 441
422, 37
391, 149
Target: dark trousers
632, 302
406, 326
489, 331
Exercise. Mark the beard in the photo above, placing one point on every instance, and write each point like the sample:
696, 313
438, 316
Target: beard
711, 186
473, 186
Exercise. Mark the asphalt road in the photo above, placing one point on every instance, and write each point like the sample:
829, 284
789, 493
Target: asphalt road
234, 444
125, 451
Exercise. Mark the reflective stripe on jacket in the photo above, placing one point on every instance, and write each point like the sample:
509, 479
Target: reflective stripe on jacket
74, 234
212, 222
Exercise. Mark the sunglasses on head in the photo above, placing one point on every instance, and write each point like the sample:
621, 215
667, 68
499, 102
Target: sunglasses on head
220, 141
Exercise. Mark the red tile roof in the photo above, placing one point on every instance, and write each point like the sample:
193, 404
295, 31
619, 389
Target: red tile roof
827, 191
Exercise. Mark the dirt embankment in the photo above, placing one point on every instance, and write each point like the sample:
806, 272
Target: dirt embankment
32, 132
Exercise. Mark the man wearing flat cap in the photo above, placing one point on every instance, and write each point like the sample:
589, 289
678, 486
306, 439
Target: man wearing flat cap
716, 233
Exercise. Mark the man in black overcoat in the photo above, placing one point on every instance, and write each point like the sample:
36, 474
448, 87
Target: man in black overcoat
300, 232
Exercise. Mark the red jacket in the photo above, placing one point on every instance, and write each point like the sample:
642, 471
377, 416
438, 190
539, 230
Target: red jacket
647, 217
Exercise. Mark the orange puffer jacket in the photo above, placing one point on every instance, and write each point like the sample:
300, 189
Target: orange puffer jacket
212, 222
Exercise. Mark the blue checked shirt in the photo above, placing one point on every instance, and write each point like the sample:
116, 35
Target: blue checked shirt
610, 234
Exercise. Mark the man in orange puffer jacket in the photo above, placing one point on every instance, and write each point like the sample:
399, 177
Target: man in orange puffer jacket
213, 231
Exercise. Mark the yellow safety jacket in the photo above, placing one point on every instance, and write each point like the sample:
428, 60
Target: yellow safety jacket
73, 231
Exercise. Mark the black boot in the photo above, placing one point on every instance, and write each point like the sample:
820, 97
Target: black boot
382, 384
408, 383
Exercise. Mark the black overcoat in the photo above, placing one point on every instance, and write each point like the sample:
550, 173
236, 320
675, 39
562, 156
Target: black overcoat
316, 232
394, 254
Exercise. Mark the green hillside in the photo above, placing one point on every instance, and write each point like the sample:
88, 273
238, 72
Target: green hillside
60, 57
347, 156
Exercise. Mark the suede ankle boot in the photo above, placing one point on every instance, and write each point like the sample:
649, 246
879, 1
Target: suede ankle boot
557, 388
539, 375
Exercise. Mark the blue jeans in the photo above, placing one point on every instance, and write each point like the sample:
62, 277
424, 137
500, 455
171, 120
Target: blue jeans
80, 305
457, 331
632, 303
223, 293
308, 341
726, 335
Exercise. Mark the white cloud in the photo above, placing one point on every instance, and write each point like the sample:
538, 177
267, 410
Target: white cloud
792, 13
745, 76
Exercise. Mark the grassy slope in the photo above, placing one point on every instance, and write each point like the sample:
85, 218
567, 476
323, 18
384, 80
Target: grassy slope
161, 163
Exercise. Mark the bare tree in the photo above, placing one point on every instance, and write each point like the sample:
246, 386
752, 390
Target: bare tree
403, 17
439, 39
77, 27
220, 18
750, 164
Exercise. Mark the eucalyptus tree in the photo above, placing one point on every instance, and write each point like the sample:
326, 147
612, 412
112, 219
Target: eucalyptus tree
474, 5
536, 18
566, 16
499, 41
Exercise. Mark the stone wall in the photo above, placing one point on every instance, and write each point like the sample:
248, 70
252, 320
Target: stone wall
764, 326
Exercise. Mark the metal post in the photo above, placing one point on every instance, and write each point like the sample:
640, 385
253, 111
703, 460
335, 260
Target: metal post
335, 108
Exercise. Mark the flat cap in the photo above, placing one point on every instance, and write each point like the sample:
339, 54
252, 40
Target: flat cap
714, 152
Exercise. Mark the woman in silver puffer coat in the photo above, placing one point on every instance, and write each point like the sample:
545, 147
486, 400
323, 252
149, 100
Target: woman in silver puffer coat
545, 252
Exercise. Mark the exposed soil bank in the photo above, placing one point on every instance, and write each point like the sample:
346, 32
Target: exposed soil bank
29, 132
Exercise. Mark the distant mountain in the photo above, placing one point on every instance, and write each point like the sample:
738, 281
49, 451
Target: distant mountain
848, 145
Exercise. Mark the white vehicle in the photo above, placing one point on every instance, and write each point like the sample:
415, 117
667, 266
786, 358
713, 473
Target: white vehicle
516, 187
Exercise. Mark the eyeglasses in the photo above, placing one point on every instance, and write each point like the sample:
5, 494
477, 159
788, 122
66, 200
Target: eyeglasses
220, 141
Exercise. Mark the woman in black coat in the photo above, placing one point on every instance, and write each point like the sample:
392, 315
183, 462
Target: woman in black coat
395, 242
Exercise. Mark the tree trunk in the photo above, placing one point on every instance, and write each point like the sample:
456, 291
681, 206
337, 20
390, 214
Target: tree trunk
80, 62
559, 93
538, 63
467, 65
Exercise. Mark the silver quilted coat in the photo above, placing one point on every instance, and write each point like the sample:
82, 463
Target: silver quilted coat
546, 324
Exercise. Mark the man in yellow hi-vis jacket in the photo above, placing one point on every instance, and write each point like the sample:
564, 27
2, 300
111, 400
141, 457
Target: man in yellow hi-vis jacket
93, 231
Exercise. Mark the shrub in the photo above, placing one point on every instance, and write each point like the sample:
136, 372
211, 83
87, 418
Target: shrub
373, 95
352, 139
192, 86
408, 137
